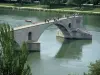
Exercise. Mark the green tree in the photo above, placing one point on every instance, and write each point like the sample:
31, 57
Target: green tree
48, 2
52, 3
94, 2
2, 1
79, 2
12, 62
20, 2
94, 68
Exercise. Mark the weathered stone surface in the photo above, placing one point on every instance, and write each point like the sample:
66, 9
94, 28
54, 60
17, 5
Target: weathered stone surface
71, 28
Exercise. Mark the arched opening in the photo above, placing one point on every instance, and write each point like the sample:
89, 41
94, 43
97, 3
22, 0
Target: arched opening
30, 36
69, 25
63, 29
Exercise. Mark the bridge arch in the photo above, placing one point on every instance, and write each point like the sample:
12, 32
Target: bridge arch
63, 29
33, 33
64, 24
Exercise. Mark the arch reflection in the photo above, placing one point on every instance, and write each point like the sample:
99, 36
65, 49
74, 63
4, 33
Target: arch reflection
71, 49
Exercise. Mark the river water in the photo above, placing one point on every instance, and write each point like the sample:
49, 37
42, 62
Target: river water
58, 56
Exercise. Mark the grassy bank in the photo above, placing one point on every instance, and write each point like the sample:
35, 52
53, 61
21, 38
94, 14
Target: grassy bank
83, 10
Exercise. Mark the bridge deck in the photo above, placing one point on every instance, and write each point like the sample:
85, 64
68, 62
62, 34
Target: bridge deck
40, 23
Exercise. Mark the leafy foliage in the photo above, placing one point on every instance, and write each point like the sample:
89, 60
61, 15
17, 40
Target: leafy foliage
94, 2
94, 68
79, 2
53, 1
12, 62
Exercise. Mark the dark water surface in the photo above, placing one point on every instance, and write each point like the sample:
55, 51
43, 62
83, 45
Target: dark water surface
58, 57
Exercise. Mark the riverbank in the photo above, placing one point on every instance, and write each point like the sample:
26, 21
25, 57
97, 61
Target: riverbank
95, 11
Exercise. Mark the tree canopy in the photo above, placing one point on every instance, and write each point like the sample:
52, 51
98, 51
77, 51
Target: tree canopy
12, 61
94, 2
79, 2
94, 68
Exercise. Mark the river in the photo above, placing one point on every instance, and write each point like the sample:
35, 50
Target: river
58, 56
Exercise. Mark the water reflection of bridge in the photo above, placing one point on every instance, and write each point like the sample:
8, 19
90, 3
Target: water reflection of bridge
72, 49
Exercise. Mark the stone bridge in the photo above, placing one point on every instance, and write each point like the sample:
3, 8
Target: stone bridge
71, 27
